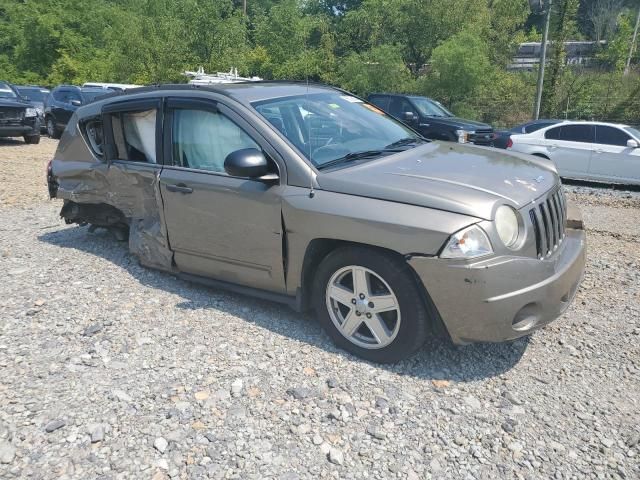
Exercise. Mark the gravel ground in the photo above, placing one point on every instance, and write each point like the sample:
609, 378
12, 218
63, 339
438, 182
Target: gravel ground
110, 370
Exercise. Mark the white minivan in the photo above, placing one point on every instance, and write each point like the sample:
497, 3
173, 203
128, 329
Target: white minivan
592, 151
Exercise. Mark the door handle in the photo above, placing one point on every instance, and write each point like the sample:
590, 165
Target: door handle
180, 188
599, 151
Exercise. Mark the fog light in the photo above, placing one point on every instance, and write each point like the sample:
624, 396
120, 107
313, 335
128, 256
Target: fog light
526, 318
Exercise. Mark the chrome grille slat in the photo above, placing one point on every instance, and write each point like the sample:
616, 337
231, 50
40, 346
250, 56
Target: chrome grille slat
548, 220
556, 203
554, 220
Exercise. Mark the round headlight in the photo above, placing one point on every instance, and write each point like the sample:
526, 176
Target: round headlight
507, 225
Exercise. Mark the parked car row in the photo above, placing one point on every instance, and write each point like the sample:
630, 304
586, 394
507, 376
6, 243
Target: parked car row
53, 109
18, 116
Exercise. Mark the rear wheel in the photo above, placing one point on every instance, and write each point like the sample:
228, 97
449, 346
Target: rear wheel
32, 139
52, 131
370, 304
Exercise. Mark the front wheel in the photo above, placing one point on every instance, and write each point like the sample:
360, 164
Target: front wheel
369, 303
52, 131
32, 139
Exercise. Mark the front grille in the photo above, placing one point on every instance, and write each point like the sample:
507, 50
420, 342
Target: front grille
548, 218
11, 114
482, 137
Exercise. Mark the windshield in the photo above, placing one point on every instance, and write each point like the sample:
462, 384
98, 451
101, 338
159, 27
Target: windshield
34, 94
6, 91
430, 108
633, 131
329, 126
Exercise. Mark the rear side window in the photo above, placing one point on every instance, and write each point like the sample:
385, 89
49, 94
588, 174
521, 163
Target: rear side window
380, 101
202, 139
93, 131
611, 136
577, 133
134, 135
552, 133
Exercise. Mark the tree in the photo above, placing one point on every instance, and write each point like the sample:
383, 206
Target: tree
460, 66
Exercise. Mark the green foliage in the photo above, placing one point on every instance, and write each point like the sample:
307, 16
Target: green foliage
460, 66
453, 50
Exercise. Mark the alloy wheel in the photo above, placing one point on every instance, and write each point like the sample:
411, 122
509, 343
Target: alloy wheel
363, 307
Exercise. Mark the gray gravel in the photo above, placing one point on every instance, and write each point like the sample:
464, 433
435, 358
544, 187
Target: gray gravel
110, 370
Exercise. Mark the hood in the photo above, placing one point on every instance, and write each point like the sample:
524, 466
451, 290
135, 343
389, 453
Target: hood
10, 102
470, 180
461, 123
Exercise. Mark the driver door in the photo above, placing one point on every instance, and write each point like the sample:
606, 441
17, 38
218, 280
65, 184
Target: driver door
219, 226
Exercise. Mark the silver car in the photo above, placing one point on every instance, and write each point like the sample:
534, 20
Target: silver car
308, 195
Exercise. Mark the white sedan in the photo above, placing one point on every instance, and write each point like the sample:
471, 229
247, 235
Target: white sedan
592, 151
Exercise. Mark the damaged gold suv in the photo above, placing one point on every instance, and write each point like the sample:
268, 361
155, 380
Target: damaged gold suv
310, 196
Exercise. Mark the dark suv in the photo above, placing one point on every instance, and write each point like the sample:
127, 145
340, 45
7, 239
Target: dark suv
63, 102
35, 95
432, 120
18, 117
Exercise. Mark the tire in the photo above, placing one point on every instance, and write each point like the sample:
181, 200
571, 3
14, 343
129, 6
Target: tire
403, 327
52, 131
32, 139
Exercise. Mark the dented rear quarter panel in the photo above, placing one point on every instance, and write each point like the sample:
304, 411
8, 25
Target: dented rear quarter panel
132, 188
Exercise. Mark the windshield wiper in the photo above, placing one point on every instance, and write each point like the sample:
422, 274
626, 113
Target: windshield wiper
405, 141
349, 157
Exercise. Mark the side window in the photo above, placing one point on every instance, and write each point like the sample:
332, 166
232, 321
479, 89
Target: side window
59, 95
400, 105
552, 133
380, 101
611, 136
134, 135
202, 139
577, 133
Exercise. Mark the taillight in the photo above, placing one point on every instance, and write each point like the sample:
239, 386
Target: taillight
509, 143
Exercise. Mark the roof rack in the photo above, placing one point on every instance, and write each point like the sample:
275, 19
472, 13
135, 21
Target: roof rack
199, 77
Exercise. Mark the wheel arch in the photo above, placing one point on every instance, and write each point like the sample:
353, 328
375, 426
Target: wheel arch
318, 249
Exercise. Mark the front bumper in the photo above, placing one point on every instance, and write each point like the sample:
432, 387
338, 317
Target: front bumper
503, 298
29, 126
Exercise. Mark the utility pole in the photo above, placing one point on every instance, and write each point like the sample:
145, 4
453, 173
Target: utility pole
543, 59
627, 68
244, 7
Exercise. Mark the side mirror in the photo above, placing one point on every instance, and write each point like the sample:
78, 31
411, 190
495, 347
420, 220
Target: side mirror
76, 103
409, 117
632, 143
248, 163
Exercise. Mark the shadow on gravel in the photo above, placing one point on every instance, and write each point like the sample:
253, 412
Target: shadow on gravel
11, 142
438, 360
